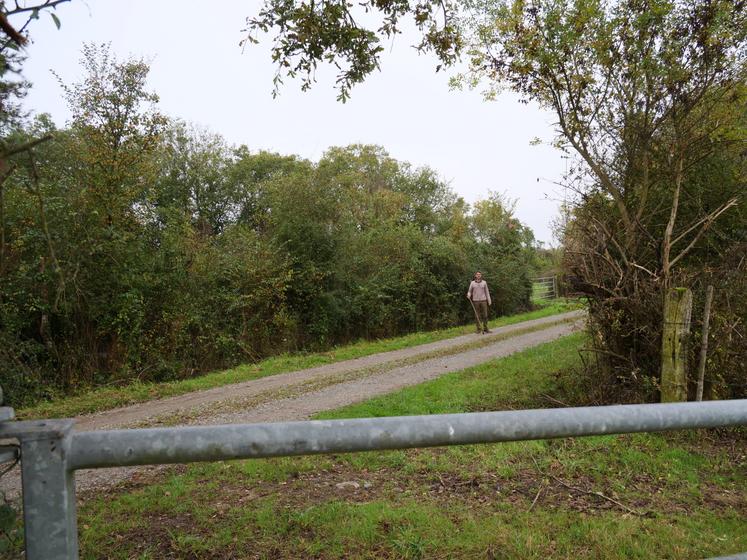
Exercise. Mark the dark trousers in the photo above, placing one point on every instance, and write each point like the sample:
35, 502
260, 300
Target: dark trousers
482, 313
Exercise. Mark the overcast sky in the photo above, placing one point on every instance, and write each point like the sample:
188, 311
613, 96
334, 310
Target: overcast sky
201, 75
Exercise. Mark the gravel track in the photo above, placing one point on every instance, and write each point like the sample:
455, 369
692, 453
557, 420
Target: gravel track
238, 403
341, 394
183, 404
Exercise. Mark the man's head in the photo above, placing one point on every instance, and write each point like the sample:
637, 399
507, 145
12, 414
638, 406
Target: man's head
478, 276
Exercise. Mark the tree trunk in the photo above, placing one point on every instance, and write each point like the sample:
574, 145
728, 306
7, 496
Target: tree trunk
677, 311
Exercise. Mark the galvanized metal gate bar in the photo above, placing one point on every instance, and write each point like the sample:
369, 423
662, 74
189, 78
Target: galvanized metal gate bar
209, 443
51, 452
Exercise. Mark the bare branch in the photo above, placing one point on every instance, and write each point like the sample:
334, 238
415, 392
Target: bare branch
708, 218
11, 31
705, 227
25, 147
43, 6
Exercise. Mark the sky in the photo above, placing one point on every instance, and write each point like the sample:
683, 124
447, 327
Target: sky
203, 76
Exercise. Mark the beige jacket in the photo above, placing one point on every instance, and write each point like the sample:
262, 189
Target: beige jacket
478, 291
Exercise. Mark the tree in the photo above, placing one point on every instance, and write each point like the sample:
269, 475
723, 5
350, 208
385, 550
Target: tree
636, 88
644, 93
14, 22
194, 177
250, 175
73, 237
117, 129
309, 33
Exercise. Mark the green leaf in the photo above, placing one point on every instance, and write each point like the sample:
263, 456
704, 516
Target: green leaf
55, 19
7, 518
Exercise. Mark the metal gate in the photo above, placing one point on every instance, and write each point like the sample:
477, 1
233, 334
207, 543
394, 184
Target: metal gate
545, 287
51, 451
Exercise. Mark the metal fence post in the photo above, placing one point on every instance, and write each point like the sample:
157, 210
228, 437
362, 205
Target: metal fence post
49, 510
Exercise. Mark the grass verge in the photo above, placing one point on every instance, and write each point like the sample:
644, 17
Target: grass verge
680, 495
106, 398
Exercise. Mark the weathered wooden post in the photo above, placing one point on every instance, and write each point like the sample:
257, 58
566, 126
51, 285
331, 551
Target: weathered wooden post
704, 343
678, 305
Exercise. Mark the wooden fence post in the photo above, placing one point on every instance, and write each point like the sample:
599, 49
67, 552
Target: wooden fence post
704, 342
678, 305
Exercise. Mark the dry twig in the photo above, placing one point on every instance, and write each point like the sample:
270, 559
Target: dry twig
553, 399
589, 492
539, 491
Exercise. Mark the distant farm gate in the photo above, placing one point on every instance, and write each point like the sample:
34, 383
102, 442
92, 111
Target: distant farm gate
545, 287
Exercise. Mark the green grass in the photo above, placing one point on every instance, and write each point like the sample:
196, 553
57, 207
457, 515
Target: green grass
680, 495
522, 377
106, 398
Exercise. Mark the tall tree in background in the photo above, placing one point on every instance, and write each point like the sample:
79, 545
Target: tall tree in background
82, 195
193, 177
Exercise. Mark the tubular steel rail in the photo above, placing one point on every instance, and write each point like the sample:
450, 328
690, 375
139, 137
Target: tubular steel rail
51, 451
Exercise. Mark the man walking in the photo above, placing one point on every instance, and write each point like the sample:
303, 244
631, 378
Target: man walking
479, 296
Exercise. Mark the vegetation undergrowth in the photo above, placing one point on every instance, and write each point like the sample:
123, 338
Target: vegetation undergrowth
105, 398
679, 495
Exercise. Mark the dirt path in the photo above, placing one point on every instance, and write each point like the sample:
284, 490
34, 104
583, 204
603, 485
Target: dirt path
341, 394
148, 413
301, 394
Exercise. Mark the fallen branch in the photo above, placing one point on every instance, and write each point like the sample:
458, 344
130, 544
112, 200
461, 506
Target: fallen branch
539, 491
556, 401
589, 492
599, 494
